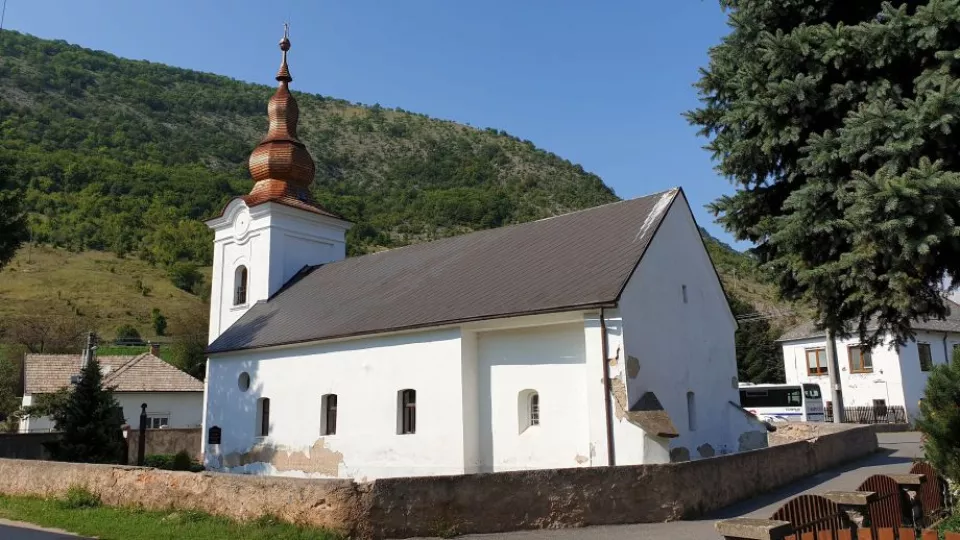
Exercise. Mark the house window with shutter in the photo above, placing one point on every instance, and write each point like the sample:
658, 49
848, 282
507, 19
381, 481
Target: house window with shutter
407, 412
816, 362
860, 359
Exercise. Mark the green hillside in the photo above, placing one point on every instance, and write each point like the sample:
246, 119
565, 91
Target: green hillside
126, 156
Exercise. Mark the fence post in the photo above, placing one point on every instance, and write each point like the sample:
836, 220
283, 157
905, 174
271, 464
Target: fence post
854, 503
142, 443
753, 529
910, 484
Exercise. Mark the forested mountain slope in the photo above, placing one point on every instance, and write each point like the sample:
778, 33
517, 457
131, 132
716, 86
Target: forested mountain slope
127, 156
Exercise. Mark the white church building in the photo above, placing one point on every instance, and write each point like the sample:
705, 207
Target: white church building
594, 338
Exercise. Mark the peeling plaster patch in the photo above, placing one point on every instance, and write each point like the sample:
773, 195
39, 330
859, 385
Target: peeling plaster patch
317, 459
654, 214
581, 459
652, 420
705, 450
752, 440
619, 392
679, 454
633, 367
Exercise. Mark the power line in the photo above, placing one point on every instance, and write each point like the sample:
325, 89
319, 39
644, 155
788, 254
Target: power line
3, 13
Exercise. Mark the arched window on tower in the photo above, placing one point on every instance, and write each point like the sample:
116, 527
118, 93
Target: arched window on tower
240, 286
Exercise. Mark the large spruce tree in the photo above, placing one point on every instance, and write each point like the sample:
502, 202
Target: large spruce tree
89, 421
839, 124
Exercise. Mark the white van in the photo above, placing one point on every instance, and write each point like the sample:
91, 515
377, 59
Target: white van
783, 402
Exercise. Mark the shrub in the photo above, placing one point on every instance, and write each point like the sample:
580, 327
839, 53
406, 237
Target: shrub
159, 322
940, 418
80, 497
181, 461
127, 332
159, 461
185, 276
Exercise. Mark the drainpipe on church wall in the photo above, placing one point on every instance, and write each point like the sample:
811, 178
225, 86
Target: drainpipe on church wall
608, 409
946, 357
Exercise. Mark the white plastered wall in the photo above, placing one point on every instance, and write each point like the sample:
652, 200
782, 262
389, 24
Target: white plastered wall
366, 375
549, 360
273, 242
678, 337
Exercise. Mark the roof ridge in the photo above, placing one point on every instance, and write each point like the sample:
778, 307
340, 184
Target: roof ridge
124, 367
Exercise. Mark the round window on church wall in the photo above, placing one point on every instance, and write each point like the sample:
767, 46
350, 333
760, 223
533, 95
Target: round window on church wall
244, 381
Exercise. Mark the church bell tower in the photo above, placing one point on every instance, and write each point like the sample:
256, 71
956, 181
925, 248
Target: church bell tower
264, 238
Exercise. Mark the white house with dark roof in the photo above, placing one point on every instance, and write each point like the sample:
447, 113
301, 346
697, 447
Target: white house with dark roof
174, 399
594, 338
885, 375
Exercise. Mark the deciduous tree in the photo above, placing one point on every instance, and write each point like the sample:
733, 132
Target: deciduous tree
837, 122
13, 221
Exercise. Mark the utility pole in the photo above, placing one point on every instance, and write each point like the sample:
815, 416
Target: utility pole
87, 351
833, 370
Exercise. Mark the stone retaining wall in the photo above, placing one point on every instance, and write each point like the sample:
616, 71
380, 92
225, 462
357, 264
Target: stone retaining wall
165, 441
479, 503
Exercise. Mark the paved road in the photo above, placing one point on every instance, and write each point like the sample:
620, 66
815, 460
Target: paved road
11, 530
898, 451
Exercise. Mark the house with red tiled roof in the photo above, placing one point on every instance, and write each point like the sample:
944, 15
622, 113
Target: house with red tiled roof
173, 398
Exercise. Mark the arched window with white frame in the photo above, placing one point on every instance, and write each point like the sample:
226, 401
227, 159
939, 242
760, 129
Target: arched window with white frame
240, 286
528, 409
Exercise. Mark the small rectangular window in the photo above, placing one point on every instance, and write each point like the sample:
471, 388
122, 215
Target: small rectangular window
329, 421
691, 411
880, 407
926, 357
157, 422
263, 411
408, 412
860, 359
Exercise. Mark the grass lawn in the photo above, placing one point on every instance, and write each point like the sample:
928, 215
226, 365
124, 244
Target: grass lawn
130, 524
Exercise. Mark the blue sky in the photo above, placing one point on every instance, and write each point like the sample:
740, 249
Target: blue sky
602, 84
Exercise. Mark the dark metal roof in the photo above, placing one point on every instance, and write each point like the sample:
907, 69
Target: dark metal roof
808, 330
577, 260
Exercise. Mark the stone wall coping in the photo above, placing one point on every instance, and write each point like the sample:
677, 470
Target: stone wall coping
909, 479
754, 529
852, 498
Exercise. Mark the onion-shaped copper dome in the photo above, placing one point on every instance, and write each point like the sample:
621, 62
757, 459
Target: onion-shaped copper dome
280, 165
